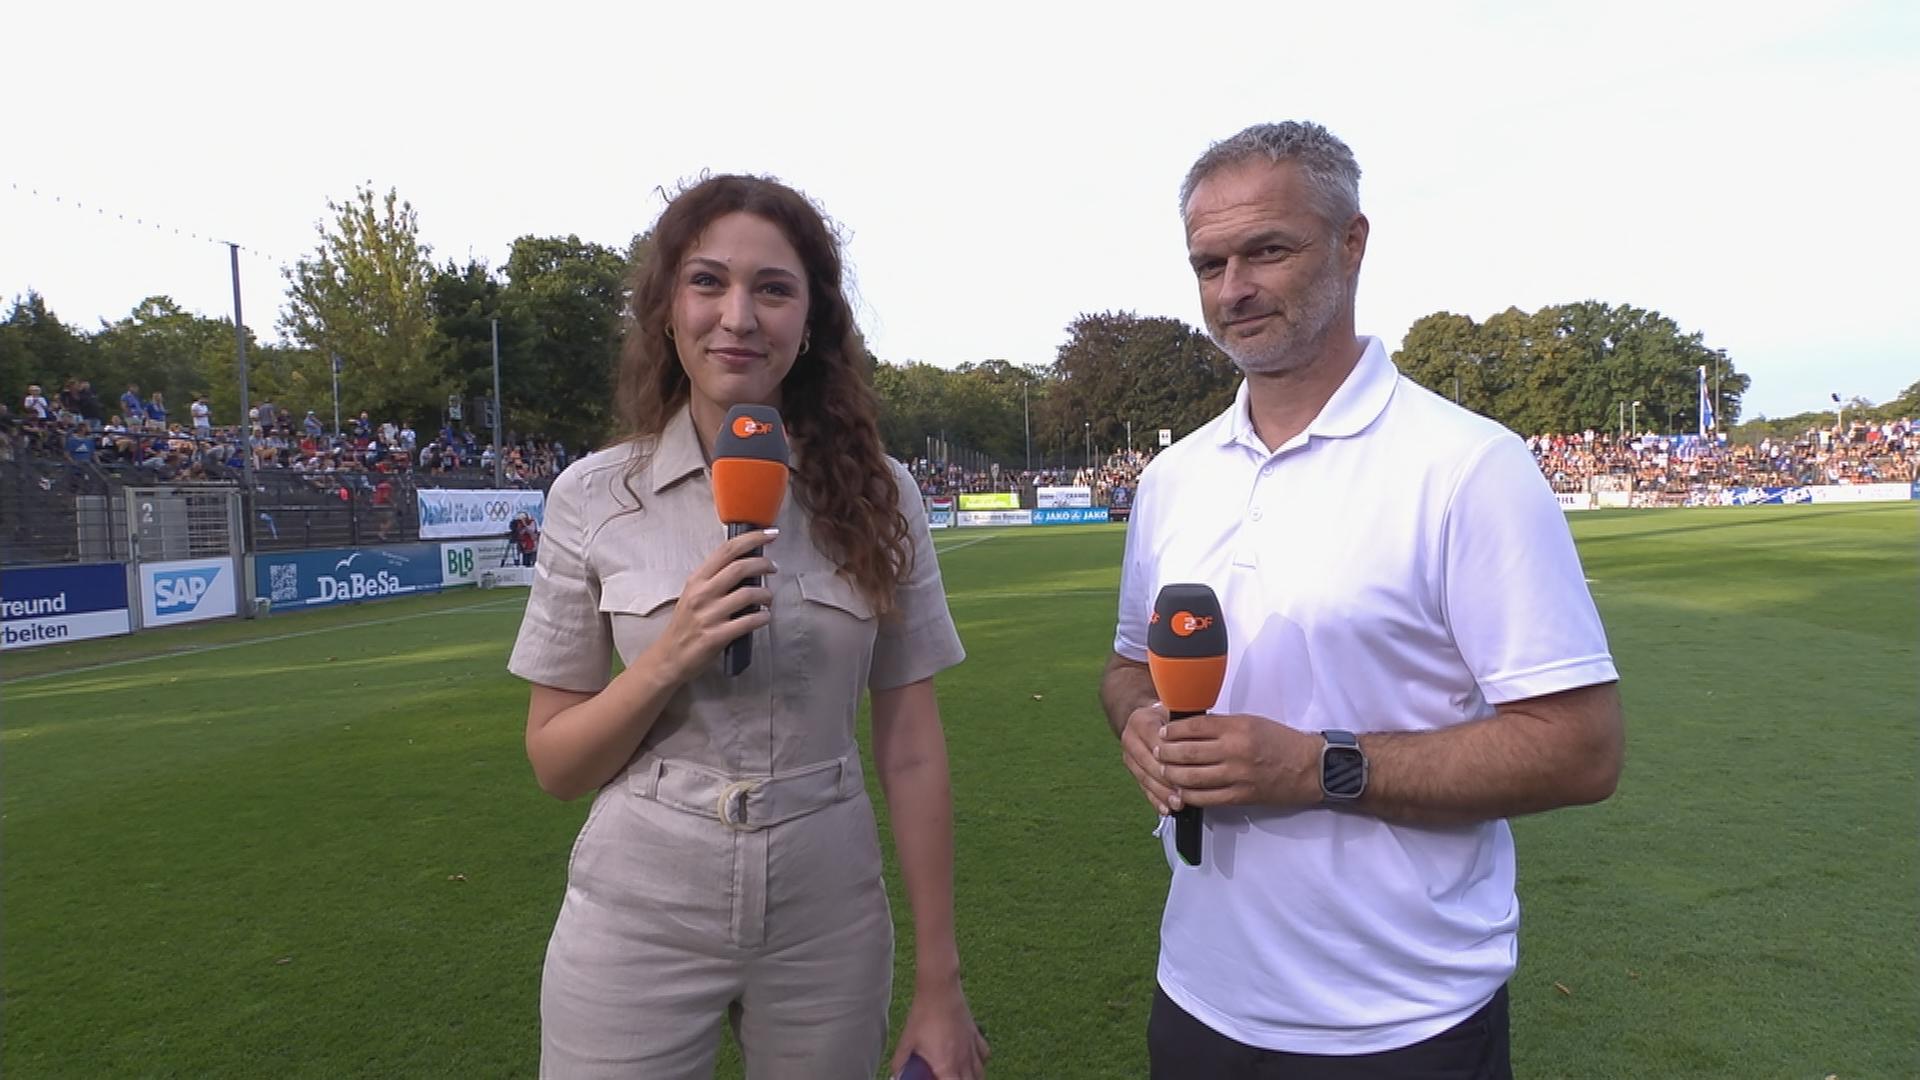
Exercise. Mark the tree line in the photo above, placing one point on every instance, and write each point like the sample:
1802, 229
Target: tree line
407, 334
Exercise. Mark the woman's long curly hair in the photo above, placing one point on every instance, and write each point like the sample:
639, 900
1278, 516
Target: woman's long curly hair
841, 475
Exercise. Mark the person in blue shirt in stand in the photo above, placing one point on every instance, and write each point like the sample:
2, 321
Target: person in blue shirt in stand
79, 448
132, 409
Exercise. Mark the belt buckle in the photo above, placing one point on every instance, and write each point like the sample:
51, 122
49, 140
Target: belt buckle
734, 795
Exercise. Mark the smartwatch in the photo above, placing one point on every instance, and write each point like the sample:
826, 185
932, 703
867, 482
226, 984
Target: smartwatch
1343, 767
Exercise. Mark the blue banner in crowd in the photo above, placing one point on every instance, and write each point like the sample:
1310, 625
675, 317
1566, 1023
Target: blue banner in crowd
1770, 496
1070, 515
64, 603
344, 575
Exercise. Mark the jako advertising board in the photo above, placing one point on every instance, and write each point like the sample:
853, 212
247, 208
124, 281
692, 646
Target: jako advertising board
454, 514
344, 575
192, 590
64, 603
1071, 515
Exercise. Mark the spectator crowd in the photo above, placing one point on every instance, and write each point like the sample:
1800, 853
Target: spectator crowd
1674, 467
1657, 469
169, 445
146, 435
1112, 480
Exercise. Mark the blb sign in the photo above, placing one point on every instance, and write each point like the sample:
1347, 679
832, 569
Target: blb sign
470, 562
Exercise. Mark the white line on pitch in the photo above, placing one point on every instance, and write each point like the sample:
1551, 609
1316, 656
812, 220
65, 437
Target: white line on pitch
963, 544
957, 597
201, 649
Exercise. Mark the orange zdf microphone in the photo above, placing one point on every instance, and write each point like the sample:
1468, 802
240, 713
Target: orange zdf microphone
749, 484
1187, 657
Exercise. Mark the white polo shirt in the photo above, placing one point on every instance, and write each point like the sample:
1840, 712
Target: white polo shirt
1401, 565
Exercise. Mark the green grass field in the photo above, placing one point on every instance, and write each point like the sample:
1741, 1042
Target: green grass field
311, 846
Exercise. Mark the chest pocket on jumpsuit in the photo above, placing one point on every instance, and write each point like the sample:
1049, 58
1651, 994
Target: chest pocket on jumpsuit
639, 604
833, 644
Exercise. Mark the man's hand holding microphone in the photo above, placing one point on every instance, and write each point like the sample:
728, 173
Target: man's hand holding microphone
1186, 758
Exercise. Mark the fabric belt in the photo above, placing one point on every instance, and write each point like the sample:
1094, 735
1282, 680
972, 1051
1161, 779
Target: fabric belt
744, 803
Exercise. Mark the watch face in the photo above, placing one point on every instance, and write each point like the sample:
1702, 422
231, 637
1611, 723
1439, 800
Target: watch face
1343, 772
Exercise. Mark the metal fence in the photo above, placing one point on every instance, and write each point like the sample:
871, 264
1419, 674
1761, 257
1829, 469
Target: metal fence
183, 521
54, 511
296, 511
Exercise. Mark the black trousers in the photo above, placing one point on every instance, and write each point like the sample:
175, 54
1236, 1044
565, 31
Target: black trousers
1182, 1048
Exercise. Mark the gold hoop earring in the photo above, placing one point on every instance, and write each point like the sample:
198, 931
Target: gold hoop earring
669, 333
806, 342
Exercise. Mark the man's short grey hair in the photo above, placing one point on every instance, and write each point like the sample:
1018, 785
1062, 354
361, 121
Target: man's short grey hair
1327, 163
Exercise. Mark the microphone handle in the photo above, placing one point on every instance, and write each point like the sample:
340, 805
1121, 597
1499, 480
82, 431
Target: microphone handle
1188, 820
739, 651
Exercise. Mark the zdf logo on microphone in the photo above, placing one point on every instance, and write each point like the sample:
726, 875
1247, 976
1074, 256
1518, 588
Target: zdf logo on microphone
747, 427
1183, 623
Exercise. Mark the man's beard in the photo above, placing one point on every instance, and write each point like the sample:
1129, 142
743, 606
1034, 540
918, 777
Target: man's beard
1293, 343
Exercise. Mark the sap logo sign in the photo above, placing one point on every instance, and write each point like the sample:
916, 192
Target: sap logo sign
181, 590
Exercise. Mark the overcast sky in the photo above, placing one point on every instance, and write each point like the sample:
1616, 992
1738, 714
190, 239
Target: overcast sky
1749, 169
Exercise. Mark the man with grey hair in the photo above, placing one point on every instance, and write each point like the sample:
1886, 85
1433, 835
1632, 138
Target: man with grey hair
1414, 658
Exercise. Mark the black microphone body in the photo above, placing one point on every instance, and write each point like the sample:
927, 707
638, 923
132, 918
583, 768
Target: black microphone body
739, 651
1187, 658
1188, 821
750, 472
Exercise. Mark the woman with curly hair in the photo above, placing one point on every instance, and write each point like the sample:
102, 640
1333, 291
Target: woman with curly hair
730, 864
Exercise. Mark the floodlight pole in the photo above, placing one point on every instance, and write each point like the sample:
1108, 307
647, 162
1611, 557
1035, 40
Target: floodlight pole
246, 440
333, 359
1026, 421
499, 466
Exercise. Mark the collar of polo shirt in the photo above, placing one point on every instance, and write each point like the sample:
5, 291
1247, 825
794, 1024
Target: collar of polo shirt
1358, 403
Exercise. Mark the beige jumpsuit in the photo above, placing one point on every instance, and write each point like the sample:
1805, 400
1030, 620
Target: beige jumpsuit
733, 867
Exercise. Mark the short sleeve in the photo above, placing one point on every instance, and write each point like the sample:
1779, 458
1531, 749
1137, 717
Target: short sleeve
564, 641
917, 639
1516, 596
1136, 578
